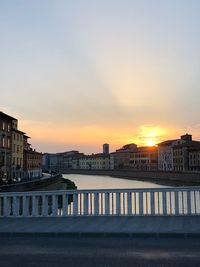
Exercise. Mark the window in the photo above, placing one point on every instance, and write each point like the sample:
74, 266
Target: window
3, 142
8, 143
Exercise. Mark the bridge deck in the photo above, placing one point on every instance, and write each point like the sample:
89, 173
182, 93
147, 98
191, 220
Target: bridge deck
103, 224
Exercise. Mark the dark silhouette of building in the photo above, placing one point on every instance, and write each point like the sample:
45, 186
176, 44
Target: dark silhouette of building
106, 148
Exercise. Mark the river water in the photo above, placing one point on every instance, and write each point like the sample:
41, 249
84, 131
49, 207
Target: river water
107, 182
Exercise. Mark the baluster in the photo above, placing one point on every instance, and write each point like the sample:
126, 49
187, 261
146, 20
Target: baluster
107, 203
54, 205
96, 203
34, 205
189, 202
15, 206
141, 209
164, 203
129, 202
135, 203
176, 199
6, 206
44, 205
118, 204
75, 204
25, 206
124, 202
152, 200
195, 202
85, 203
65, 205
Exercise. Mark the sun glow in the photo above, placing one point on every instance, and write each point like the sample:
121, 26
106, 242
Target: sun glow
151, 142
150, 135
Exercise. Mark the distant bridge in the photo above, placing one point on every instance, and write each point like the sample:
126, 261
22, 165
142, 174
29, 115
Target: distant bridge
160, 210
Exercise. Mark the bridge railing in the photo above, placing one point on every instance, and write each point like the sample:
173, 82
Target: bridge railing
133, 202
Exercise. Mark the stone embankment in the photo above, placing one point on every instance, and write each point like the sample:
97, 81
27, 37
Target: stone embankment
37, 184
164, 178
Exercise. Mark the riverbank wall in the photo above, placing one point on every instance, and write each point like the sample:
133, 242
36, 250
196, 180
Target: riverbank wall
32, 185
164, 178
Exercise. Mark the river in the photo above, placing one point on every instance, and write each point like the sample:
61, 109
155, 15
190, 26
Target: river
107, 182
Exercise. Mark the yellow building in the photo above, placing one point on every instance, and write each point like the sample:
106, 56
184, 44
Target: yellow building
95, 162
17, 152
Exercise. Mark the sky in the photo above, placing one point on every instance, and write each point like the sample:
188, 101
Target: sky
80, 73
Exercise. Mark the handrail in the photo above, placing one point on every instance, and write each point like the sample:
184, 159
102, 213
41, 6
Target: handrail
102, 202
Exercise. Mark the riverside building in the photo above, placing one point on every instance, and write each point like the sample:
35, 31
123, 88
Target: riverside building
183, 154
120, 159
144, 159
17, 158
32, 164
99, 161
5, 146
17, 154
179, 155
165, 154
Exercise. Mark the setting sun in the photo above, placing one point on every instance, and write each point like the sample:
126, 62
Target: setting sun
150, 135
151, 143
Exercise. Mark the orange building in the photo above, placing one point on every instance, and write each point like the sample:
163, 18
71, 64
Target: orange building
32, 161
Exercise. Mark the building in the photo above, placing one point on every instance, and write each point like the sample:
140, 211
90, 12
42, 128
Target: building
120, 159
5, 146
144, 159
165, 154
17, 153
32, 162
194, 160
61, 162
99, 161
182, 152
45, 162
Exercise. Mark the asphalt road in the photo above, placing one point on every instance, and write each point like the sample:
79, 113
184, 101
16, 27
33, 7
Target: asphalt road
98, 251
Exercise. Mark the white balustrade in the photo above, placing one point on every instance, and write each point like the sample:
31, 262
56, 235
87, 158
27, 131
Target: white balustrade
130, 202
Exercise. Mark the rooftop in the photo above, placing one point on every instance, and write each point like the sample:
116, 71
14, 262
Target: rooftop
6, 116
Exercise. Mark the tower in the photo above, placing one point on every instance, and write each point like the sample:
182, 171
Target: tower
106, 148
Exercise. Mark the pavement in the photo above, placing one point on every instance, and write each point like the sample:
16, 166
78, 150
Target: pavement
41, 251
186, 225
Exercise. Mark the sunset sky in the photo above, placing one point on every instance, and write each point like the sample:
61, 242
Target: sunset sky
79, 73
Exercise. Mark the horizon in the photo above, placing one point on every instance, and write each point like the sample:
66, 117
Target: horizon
79, 74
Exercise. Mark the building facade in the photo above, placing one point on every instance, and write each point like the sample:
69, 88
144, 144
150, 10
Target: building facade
32, 161
181, 153
17, 153
61, 162
5, 146
194, 160
95, 162
120, 159
144, 159
165, 154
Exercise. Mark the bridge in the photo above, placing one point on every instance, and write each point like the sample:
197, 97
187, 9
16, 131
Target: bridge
117, 211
